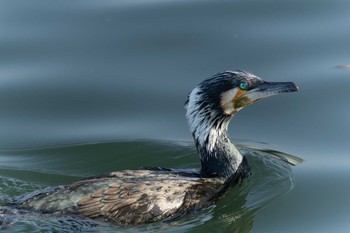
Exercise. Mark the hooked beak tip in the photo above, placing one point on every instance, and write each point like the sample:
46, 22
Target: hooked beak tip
294, 87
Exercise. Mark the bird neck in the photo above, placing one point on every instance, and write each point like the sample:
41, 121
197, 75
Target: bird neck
208, 124
219, 157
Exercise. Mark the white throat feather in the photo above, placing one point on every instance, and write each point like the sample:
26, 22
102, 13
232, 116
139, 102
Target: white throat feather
209, 129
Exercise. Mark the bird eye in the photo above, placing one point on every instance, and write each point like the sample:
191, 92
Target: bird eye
243, 86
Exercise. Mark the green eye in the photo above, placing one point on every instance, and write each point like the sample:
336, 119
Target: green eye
243, 86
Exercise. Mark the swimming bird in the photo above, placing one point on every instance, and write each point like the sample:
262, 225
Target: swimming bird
133, 197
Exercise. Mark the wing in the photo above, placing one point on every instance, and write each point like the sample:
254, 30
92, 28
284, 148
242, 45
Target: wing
129, 197
132, 203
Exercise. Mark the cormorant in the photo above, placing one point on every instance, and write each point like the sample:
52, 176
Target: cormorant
133, 197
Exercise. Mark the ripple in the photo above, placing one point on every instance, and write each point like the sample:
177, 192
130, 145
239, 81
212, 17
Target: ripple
271, 178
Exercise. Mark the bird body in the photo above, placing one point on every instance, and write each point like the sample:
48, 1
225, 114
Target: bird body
133, 197
129, 197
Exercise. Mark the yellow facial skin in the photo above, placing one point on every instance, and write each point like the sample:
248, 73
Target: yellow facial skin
233, 100
240, 102
239, 93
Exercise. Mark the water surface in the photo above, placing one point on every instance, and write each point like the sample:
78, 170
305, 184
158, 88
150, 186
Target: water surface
95, 71
31, 170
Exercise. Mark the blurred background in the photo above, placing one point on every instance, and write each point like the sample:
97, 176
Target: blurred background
89, 71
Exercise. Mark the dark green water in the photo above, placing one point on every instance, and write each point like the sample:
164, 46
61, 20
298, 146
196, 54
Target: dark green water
45, 167
77, 72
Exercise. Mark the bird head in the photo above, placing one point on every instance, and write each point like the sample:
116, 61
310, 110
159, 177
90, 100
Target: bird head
243, 89
214, 101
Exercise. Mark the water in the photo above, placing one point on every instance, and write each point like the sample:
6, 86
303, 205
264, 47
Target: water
271, 178
96, 71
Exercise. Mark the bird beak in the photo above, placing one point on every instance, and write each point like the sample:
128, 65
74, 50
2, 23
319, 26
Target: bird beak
263, 90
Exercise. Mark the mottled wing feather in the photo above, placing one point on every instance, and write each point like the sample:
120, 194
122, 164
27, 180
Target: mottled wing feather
134, 203
129, 197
